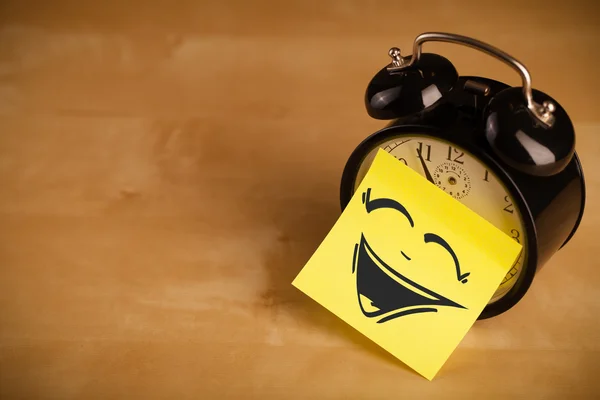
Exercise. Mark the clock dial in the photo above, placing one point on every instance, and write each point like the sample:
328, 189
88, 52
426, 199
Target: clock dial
465, 178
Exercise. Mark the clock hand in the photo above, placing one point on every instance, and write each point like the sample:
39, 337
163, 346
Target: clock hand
427, 174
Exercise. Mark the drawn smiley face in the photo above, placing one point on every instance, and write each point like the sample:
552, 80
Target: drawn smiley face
382, 290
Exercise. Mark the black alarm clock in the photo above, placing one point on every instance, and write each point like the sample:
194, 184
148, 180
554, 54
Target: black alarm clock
507, 153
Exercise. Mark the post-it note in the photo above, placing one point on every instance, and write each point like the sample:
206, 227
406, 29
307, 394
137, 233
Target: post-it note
408, 266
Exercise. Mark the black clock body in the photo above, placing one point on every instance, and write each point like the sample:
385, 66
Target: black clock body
551, 206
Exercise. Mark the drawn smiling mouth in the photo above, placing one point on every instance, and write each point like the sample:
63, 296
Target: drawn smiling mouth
384, 292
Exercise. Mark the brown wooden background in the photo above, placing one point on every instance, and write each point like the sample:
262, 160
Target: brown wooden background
166, 168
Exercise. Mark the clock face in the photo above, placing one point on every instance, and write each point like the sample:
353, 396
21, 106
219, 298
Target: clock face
464, 177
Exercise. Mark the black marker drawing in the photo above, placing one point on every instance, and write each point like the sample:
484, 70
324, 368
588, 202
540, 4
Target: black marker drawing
433, 238
373, 205
383, 291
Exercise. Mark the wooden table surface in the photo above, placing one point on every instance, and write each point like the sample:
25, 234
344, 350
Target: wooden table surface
166, 169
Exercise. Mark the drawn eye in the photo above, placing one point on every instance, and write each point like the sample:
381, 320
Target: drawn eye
433, 238
384, 202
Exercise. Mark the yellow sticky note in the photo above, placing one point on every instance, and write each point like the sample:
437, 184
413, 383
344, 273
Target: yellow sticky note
408, 266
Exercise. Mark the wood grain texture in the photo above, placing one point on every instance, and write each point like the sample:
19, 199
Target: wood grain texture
167, 168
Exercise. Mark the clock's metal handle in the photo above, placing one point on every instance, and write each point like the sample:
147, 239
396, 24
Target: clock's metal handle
542, 112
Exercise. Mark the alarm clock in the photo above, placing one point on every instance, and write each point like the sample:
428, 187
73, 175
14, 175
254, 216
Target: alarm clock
507, 153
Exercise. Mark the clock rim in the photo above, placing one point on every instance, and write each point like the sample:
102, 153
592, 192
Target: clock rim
524, 281
579, 167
